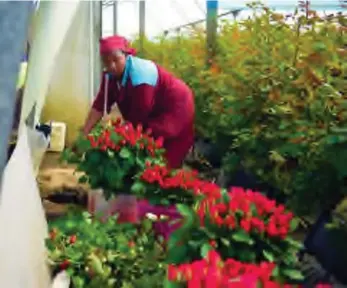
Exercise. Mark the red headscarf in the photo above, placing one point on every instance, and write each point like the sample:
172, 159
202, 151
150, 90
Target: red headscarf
115, 42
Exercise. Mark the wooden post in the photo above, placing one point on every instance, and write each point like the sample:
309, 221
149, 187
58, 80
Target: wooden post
115, 17
211, 27
142, 24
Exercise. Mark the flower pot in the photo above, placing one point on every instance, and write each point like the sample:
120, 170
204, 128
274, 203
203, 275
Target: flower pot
164, 215
124, 205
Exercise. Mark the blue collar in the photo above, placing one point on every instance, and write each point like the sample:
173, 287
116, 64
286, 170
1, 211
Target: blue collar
126, 70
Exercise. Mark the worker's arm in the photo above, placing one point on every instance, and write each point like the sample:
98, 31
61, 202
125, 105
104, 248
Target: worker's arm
93, 118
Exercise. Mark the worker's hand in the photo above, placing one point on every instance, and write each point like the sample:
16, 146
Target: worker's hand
106, 119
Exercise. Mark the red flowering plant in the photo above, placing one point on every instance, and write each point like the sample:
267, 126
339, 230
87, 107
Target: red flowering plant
161, 185
166, 190
112, 154
212, 271
98, 253
239, 224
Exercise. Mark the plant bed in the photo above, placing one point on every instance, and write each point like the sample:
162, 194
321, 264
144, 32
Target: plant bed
96, 253
203, 224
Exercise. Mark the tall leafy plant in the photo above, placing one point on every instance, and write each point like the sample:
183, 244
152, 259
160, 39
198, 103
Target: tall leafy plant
273, 99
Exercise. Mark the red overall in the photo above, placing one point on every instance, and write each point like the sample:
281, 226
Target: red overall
167, 108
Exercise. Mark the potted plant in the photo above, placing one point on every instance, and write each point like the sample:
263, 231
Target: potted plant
110, 157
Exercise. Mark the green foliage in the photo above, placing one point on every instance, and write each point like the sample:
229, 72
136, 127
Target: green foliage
275, 96
194, 239
105, 254
112, 161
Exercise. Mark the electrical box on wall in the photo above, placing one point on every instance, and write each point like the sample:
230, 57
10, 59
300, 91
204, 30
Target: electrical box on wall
58, 135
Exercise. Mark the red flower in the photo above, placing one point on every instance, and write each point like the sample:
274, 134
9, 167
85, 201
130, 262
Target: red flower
73, 239
53, 234
65, 264
245, 225
213, 243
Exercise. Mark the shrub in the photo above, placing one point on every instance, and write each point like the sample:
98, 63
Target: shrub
273, 99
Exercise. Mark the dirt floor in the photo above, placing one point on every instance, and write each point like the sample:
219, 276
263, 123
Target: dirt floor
55, 177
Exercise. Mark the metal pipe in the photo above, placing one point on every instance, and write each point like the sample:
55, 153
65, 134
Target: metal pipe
142, 22
211, 28
115, 17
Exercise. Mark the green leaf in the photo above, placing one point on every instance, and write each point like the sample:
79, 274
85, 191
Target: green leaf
225, 195
293, 274
268, 256
96, 264
125, 153
115, 137
140, 162
184, 210
83, 144
164, 202
294, 224
169, 284
83, 179
242, 236
147, 225
225, 241
205, 249
78, 282
94, 157
335, 139
138, 187
319, 47
188, 214
276, 272
177, 255
295, 244
176, 236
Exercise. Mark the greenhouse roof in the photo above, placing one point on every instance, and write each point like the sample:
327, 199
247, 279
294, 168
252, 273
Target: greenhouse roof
162, 15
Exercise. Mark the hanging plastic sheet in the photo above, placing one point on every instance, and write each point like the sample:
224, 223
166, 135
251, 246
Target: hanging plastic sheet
22, 223
61, 62
71, 88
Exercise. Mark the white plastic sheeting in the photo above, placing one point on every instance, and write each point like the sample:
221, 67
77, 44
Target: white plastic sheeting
160, 15
22, 223
63, 63
71, 87
48, 37
62, 56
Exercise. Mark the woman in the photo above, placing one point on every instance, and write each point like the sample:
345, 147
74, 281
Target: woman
145, 94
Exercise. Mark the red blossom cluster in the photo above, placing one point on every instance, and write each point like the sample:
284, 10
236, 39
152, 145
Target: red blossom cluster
180, 179
212, 272
248, 210
128, 135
